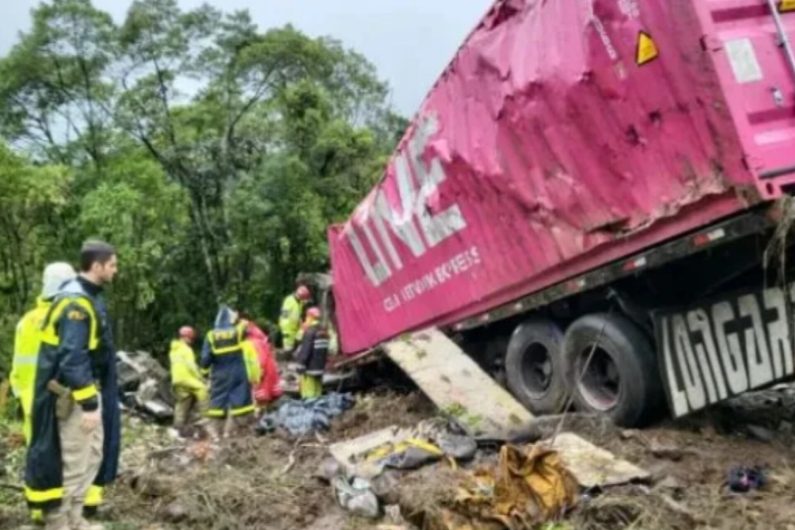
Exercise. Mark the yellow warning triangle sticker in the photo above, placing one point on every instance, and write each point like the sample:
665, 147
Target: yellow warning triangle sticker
647, 49
786, 5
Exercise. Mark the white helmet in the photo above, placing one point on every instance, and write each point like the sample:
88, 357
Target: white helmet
55, 275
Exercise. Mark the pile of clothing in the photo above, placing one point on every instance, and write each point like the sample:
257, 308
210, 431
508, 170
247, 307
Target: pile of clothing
303, 417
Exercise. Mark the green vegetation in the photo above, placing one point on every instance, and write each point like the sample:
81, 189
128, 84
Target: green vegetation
212, 153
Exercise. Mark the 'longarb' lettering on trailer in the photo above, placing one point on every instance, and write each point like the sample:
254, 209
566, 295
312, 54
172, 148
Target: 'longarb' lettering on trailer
719, 349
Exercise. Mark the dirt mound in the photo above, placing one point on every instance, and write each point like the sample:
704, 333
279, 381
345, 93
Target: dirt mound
269, 482
12, 460
377, 411
264, 482
245, 484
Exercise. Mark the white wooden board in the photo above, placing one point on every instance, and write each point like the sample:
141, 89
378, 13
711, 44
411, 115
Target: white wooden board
458, 386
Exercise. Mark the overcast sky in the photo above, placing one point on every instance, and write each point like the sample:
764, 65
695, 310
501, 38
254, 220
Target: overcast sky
409, 41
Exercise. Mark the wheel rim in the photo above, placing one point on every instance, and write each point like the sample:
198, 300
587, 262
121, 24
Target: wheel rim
600, 383
536, 370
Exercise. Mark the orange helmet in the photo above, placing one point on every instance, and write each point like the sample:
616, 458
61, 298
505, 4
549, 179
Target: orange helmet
313, 312
187, 333
303, 292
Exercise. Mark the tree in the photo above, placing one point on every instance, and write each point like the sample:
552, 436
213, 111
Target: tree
211, 153
33, 199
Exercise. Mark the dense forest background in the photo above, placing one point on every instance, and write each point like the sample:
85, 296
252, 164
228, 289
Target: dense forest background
211, 152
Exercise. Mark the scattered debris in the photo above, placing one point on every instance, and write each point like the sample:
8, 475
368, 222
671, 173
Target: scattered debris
170, 483
761, 433
744, 479
408, 448
592, 466
355, 496
145, 385
302, 417
346, 453
527, 487
408, 454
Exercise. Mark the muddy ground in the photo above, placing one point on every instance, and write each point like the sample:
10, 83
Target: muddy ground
270, 482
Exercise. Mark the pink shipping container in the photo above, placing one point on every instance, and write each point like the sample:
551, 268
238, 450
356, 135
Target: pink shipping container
565, 135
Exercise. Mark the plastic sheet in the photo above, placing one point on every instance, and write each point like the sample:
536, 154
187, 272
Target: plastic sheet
302, 417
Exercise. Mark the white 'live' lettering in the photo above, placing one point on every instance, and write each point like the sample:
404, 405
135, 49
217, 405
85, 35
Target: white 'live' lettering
413, 224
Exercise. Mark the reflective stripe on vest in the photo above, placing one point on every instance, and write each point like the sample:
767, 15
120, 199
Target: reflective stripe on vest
226, 341
26, 360
49, 333
49, 336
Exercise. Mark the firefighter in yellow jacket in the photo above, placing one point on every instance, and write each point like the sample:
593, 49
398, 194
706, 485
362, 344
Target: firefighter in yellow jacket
186, 379
290, 316
26, 343
26, 346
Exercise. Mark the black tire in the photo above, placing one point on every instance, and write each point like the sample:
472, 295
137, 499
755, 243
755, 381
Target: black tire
531, 342
636, 397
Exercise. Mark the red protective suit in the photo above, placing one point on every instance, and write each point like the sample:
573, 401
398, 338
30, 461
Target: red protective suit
269, 388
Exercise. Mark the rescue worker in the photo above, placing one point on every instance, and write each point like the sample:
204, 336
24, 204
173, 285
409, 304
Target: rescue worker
233, 367
26, 347
187, 382
26, 342
290, 317
312, 316
76, 429
269, 390
311, 358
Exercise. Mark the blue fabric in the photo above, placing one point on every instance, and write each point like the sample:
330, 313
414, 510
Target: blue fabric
743, 479
44, 466
303, 417
230, 388
76, 368
223, 320
105, 373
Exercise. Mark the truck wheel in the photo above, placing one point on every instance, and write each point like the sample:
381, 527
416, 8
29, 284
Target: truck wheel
534, 368
622, 379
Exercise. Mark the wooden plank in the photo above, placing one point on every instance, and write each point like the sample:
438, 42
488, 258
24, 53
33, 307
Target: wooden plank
593, 466
347, 453
458, 386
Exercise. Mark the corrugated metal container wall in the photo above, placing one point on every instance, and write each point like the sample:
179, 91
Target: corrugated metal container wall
564, 135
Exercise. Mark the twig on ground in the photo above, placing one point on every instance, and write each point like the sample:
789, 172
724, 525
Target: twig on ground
290, 463
291, 458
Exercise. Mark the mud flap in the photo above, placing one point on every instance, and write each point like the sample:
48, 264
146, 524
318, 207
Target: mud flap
458, 386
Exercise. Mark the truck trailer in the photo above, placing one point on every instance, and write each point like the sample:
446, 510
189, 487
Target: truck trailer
593, 200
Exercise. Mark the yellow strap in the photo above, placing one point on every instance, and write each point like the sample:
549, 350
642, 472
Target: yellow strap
242, 410
41, 496
82, 394
93, 496
49, 334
